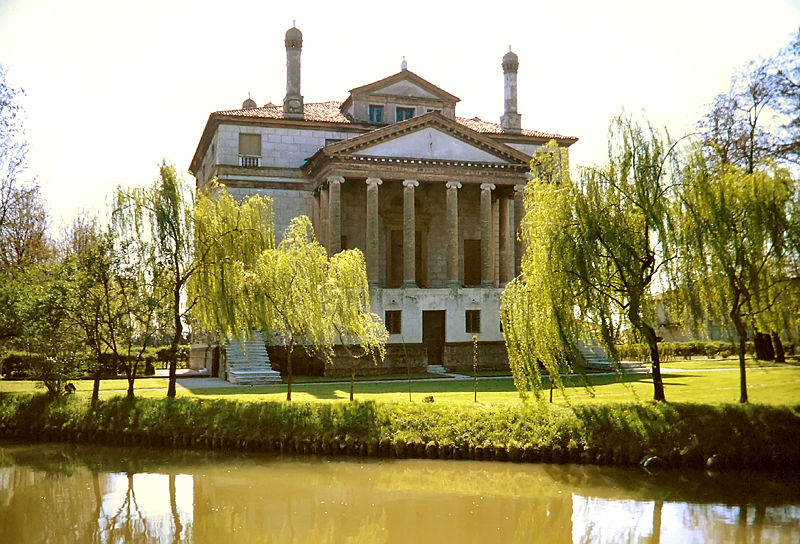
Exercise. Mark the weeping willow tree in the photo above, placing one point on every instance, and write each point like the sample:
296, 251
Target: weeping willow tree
230, 236
137, 296
161, 217
537, 306
360, 331
287, 287
736, 230
293, 292
596, 249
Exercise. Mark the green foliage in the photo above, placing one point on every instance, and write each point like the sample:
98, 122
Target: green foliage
157, 223
681, 350
292, 292
682, 434
736, 252
47, 328
230, 237
594, 251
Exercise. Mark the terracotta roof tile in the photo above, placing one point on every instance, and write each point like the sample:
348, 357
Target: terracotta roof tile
315, 111
328, 112
485, 127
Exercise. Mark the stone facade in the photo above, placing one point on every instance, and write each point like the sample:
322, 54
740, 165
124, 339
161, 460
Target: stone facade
433, 200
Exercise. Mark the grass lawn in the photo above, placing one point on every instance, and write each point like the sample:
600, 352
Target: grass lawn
776, 385
141, 384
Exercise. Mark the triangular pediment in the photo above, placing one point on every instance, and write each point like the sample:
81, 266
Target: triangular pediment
407, 84
430, 136
430, 143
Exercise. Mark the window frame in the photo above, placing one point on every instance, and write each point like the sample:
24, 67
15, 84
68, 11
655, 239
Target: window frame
379, 108
396, 320
472, 321
411, 110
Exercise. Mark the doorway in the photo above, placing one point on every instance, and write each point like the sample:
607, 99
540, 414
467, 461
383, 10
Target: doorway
433, 335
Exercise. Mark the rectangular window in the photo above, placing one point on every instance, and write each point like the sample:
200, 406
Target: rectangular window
472, 262
376, 114
393, 320
473, 319
404, 113
394, 258
249, 149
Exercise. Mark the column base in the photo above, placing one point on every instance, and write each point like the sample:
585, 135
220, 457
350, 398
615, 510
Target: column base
487, 284
409, 285
453, 284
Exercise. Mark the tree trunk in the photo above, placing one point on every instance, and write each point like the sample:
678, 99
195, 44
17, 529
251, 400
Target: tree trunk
173, 354
289, 371
780, 355
130, 388
763, 346
742, 332
655, 362
96, 386
352, 377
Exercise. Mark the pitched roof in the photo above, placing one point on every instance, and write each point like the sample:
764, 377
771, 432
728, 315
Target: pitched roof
486, 127
329, 112
405, 75
326, 112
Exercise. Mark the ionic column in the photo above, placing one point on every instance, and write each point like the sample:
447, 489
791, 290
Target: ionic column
372, 230
409, 233
335, 203
519, 212
487, 279
506, 240
324, 219
452, 233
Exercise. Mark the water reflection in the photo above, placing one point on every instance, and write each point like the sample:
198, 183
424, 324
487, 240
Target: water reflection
58, 493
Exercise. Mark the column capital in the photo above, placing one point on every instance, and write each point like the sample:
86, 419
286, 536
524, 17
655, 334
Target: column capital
335, 179
410, 183
374, 181
519, 188
489, 186
453, 185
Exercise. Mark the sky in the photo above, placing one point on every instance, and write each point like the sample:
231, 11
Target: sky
113, 87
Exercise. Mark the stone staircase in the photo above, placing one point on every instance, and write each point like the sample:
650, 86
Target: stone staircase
595, 358
251, 366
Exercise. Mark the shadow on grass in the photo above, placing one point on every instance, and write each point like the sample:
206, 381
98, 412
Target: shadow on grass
340, 391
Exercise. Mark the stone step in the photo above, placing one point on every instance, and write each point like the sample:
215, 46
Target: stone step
595, 358
249, 364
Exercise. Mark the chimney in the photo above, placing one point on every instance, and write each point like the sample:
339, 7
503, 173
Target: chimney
511, 121
293, 103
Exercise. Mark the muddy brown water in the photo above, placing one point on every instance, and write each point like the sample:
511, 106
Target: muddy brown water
65, 493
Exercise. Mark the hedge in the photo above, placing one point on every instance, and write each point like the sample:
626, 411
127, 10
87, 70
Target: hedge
622, 434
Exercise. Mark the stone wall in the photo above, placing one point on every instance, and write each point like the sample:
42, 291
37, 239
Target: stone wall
288, 204
394, 363
282, 147
491, 356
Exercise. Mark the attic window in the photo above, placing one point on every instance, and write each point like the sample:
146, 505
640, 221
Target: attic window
403, 113
375, 114
249, 150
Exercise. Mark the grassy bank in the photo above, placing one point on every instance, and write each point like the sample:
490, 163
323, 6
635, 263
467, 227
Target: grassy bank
679, 434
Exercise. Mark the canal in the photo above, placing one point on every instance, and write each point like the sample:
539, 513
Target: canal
65, 493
